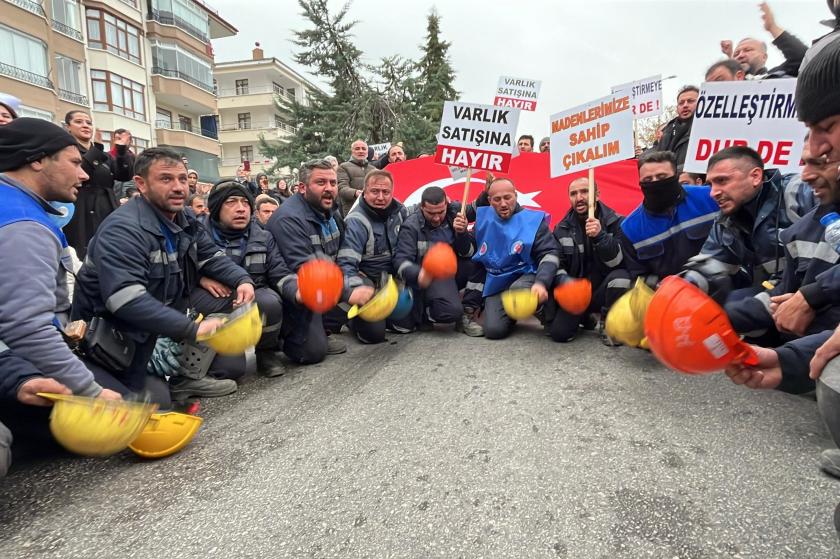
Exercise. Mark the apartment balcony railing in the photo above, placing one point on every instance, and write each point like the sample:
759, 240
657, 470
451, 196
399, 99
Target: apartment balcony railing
182, 76
254, 90
183, 126
67, 30
167, 18
29, 6
266, 125
26, 76
73, 97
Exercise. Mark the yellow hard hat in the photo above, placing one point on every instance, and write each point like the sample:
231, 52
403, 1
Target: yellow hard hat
96, 427
165, 434
622, 325
640, 297
380, 306
242, 330
519, 304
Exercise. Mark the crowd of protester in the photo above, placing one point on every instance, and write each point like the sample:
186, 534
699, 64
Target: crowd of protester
148, 247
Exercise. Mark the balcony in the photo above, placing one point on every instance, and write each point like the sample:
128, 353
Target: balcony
245, 133
177, 135
168, 125
25, 76
34, 7
73, 97
254, 90
67, 30
177, 89
166, 18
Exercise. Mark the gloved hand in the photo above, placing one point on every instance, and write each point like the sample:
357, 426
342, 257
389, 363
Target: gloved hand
164, 361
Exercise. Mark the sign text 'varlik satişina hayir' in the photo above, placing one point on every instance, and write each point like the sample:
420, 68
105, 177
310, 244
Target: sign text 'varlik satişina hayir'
593, 134
758, 114
476, 136
645, 96
518, 93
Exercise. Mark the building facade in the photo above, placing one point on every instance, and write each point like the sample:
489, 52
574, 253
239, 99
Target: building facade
142, 65
247, 90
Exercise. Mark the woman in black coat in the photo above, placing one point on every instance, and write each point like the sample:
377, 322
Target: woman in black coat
96, 197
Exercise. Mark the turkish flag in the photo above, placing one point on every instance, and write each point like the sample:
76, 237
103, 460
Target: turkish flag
618, 183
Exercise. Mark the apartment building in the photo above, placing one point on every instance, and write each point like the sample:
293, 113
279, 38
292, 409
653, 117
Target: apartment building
246, 93
143, 65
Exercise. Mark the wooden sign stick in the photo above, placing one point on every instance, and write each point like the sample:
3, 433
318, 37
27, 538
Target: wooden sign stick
466, 192
592, 192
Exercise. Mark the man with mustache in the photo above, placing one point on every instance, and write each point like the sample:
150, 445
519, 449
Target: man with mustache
743, 248
308, 226
144, 260
591, 248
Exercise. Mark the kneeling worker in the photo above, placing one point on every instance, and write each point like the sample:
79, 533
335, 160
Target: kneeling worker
517, 250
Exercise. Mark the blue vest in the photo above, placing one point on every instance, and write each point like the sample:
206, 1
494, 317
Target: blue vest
504, 246
16, 205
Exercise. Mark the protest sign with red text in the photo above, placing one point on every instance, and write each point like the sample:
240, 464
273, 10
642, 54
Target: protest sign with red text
591, 135
758, 114
645, 96
517, 93
476, 136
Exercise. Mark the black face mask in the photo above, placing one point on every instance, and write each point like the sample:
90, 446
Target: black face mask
660, 196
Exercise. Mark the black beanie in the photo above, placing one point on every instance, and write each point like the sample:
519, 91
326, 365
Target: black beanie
818, 84
25, 140
222, 191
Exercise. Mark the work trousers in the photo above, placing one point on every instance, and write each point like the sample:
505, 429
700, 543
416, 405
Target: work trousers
304, 332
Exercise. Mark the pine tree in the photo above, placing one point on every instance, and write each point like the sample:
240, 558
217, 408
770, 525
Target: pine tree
436, 77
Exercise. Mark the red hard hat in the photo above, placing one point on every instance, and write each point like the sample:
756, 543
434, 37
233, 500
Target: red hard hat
320, 283
688, 331
440, 261
574, 295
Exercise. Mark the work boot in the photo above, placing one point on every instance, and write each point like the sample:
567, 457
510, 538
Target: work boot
830, 462
182, 388
335, 346
270, 364
468, 324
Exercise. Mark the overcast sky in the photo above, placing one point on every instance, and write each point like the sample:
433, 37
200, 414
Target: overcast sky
578, 48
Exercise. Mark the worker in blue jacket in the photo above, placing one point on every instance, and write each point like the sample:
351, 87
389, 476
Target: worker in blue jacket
517, 250
371, 229
670, 225
142, 264
744, 248
308, 226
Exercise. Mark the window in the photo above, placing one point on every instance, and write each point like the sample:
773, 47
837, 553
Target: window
244, 121
215, 87
279, 89
26, 55
173, 61
112, 92
291, 92
246, 153
65, 14
137, 144
110, 33
163, 119
184, 14
70, 81
242, 87
35, 113
185, 123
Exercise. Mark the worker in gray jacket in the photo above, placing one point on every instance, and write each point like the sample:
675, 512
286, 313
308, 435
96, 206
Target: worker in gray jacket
351, 175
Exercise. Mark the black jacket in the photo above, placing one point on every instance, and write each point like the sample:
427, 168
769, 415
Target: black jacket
675, 138
586, 257
303, 233
97, 199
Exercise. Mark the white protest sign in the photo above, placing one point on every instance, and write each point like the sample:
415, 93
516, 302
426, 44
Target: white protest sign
758, 114
380, 149
517, 93
645, 96
476, 136
591, 135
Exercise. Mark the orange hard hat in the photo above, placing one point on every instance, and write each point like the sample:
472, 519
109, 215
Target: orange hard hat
574, 295
440, 261
688, 331
320, 283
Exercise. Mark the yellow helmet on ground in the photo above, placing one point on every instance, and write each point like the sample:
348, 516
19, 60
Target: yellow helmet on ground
96, 427
380, 306
165, 434
640, 297
242, 330
519, 304
622, 325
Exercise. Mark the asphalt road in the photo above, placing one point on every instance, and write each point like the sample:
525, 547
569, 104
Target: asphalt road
439, 445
